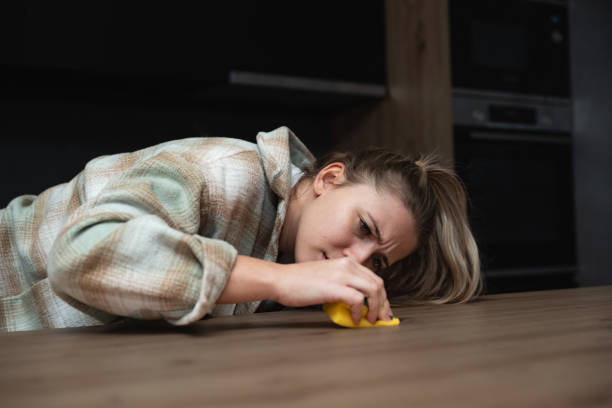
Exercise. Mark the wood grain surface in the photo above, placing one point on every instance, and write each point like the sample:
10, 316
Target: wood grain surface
416, 116
534, 349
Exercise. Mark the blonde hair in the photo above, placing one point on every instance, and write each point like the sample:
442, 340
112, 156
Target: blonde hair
445, 267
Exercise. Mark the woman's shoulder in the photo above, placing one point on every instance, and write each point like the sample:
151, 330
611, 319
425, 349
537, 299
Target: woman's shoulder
196, 150
236, 162
204, 149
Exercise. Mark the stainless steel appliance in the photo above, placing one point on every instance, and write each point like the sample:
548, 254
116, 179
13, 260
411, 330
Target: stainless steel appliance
515, 155
513, 138
517, 46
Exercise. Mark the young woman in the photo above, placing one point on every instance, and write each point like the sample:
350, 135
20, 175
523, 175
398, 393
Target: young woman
216, 226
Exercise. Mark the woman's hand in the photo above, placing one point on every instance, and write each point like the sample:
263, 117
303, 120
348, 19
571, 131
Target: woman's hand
308, 283
333, 280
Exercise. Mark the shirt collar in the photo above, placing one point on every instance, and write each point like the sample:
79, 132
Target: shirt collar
279, 149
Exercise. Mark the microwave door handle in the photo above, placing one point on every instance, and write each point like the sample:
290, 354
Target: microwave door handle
519, 137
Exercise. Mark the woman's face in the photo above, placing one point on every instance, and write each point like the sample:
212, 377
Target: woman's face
373, 227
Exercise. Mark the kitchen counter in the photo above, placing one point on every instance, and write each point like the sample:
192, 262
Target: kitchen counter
530, 349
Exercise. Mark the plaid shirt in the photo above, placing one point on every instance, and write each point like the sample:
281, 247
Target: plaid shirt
149, 235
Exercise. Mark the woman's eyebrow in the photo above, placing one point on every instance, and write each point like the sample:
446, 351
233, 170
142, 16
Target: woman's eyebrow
378, 237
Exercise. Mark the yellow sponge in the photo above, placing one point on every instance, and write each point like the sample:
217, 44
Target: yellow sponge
340, 313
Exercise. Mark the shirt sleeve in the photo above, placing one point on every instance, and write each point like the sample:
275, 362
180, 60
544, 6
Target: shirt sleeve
135, 250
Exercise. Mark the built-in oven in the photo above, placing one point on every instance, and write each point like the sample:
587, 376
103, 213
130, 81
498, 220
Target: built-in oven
517, 46
514, 153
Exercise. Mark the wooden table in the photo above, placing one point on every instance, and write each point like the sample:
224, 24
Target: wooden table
536, 349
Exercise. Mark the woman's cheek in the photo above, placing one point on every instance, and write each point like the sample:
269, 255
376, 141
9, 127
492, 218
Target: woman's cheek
302, 250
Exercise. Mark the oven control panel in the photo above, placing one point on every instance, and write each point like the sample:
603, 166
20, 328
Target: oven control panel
483, 109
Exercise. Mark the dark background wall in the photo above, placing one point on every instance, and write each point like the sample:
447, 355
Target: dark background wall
51, 126
48, 141
80, 80
592, 90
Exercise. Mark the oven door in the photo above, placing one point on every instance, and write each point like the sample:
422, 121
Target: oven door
521, 199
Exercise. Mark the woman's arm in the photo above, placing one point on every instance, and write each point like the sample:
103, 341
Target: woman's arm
251, 279
135, 251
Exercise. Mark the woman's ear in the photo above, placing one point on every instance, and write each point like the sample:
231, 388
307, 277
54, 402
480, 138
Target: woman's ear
328, 178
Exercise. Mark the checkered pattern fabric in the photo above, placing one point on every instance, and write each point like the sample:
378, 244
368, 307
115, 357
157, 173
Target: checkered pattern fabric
151, 234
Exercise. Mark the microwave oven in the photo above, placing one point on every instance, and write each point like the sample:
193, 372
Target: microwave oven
514, 46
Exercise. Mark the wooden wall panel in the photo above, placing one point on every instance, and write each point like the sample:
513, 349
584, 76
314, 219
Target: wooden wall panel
416, 116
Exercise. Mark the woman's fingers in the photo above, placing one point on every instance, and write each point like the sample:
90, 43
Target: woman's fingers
355, 300
377, 309
373, 289
387, 311
356, 311
337, 280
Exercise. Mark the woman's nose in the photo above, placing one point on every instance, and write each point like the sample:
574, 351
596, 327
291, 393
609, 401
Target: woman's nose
360, 252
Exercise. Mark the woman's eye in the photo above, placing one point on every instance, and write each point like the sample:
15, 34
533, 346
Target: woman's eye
364, 227
377, 263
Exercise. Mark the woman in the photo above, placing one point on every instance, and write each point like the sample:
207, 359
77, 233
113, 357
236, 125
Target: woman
215, 226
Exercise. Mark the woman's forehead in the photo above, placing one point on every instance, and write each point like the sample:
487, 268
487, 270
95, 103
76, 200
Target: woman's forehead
377, 198
394, 221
